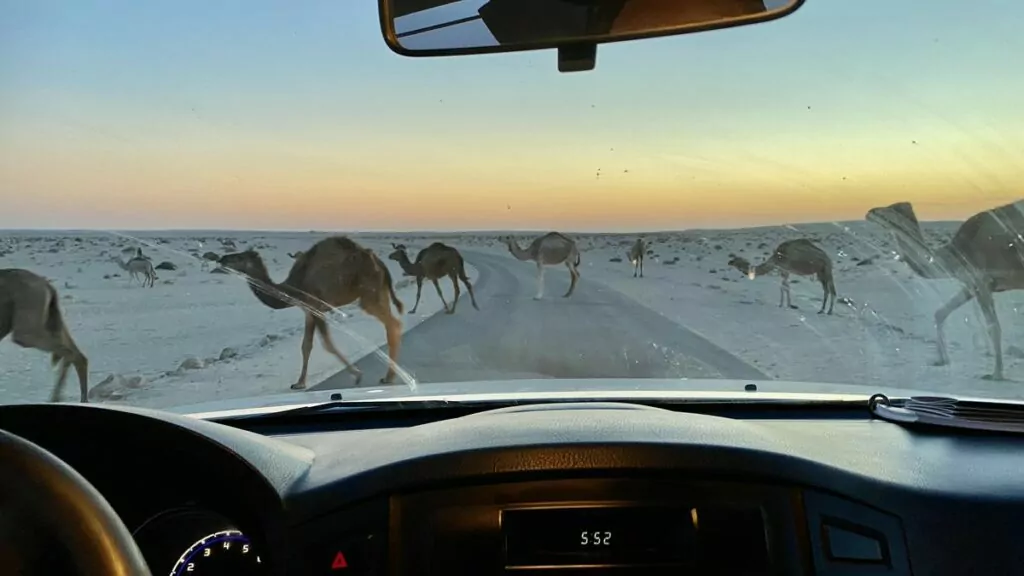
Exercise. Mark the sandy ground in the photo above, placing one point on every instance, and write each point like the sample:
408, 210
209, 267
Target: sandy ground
198, 336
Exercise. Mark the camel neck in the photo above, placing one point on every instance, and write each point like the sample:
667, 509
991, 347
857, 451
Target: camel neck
266, 291
518, 252
407, 266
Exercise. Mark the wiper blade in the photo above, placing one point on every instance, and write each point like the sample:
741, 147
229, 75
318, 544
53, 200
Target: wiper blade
948, 412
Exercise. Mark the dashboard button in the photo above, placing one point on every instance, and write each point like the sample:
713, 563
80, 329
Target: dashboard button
853, 546
350, 557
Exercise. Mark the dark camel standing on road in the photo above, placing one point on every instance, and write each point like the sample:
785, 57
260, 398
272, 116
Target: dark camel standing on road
334, 272
30, 312
799, 257
986, 255
434, 262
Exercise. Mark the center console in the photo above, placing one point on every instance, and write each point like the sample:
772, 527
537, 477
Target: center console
597, 525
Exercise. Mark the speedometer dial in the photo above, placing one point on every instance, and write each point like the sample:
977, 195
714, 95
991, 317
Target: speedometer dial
195, 542
224, 553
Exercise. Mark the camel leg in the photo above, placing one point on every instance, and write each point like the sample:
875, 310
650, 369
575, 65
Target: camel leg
455, 285
540, 281
995, 332
824, 289
419, 290
441, 296
641, 266
832, 292
469, 288
786, 290
941, 314
574, 275
307, 347
381, 310
782, 291
328, 343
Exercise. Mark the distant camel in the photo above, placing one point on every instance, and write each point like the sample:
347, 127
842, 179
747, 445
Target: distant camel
433, 262
137, 267
636, 256
550, 249
30, 310
986, 255
799, 257
334, 272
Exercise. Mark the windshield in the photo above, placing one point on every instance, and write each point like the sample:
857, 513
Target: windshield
209, 201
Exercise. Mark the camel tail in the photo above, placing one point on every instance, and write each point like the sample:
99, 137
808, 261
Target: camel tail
391, 290
577, 258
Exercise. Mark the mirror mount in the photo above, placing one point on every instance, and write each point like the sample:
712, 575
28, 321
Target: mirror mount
577, 57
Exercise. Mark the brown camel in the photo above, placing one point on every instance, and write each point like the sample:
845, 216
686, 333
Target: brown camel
550, 249
30, 311
986, 255
800, 257
434, 262
636, 256
334, 272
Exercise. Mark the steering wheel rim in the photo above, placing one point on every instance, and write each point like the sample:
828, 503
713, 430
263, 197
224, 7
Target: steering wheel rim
68, 506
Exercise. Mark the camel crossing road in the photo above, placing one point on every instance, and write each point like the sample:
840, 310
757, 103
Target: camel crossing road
597, 333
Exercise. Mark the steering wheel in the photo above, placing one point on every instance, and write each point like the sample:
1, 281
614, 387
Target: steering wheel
50, 492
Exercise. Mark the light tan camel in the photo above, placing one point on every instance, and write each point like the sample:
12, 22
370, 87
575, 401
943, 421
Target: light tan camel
137, 266
636, 256
799, 257
434, 262
986, 255
550, 249
30, 311
334, 272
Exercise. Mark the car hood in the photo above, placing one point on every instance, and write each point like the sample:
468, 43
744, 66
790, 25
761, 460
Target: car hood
553, 389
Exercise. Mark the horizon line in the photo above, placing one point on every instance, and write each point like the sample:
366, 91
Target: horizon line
439, 231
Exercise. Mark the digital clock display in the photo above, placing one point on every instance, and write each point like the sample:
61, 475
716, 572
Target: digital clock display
598, 536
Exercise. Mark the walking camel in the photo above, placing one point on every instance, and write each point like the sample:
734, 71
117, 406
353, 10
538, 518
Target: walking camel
137, 266
636, 256
434, 262
799, 257
30, 312
334, 272
986, 255
550, 249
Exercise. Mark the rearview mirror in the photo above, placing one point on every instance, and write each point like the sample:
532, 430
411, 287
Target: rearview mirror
456, 27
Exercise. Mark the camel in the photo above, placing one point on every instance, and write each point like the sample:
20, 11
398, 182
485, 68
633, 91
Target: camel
30, 310
986, 255
137, 267
434, 262
550, 249
207, 258
636, 256
800, 257
334, 272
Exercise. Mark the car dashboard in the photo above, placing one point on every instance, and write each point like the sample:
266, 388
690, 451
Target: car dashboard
580, 488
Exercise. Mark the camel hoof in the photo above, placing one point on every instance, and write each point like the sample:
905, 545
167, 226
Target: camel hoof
993, 377
299, 386
386, 380
792, 307
413, 311
359, 378
940, 362
449, 311
538, 298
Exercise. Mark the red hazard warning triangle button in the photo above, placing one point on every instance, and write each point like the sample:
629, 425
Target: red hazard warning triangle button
339, 561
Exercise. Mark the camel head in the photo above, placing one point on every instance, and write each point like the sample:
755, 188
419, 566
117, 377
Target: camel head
249, 262
740, 263
399, 254
898, 217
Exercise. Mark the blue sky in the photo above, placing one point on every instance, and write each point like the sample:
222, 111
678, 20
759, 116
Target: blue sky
259, 114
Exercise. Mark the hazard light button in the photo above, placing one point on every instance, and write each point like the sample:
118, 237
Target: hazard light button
351, 557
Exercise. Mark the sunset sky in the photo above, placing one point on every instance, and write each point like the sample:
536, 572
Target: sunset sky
259, 114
